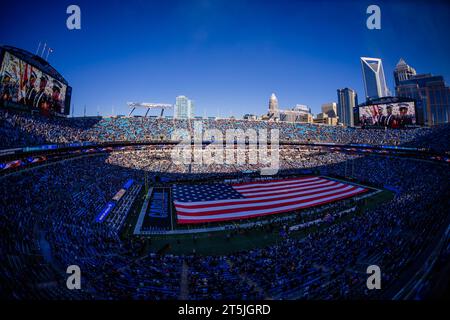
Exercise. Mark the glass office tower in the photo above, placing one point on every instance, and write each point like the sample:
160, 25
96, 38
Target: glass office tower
432, 98
374, 79
347, 101
184, 108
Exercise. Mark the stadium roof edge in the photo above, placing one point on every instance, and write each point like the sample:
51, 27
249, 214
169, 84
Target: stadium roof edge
386, 100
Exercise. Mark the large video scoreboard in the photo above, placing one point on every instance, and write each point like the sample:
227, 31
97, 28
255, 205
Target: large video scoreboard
389, 114
25, 85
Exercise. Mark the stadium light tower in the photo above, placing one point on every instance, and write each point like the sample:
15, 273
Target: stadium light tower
148, 106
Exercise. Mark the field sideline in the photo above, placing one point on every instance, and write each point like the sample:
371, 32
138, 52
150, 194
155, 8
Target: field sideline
224, 242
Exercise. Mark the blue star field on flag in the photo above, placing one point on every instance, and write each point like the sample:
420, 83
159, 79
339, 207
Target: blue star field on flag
204, 192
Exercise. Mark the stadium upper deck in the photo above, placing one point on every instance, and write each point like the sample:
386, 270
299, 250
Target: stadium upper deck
20, 130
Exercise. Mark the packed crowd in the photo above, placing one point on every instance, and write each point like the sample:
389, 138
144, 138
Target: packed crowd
48, 222
289, 158
331, 264
20, 130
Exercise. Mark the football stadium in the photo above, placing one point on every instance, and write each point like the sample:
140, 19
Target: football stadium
106, 195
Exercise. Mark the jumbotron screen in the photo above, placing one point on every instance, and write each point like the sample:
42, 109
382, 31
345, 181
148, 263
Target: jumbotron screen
391, 115
24, 84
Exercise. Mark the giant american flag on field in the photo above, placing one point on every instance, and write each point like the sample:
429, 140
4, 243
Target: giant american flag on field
202, 203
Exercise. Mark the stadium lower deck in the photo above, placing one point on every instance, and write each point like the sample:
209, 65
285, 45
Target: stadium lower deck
314, 253
82, 205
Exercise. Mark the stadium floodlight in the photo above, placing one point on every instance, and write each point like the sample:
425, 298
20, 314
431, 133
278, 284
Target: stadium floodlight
148, 106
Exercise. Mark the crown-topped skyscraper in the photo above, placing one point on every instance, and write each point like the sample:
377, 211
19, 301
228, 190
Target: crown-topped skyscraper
273, 106
403, 72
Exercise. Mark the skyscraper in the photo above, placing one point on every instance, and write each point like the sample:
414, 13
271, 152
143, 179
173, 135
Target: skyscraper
330, 109
403, 72
300, 113
184, 108
347, 101
432, 97
328, 114
374, 80
273, 106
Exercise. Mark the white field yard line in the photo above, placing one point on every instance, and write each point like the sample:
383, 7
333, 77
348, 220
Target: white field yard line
349, 182
249, 224
138, 227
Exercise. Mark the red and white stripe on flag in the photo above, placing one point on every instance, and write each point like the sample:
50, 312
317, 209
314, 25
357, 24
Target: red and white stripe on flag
267, 197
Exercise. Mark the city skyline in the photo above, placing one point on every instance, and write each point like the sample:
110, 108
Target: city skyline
231, 59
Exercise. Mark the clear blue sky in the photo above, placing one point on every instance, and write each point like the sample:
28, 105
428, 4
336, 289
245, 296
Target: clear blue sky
227, 55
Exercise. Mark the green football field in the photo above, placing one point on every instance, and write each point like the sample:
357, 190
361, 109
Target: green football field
223, 242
